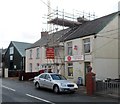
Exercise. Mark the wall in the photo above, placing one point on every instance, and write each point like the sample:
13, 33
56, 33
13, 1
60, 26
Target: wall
78, 65
34, 60
106, 51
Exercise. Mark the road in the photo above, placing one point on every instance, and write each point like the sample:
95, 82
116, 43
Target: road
14, 90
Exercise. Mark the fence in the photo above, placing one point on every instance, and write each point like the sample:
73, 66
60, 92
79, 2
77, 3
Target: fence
108, 87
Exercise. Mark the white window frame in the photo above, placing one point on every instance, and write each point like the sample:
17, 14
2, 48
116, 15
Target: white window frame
86, 43
70, 67
11, 57
69, 49
11, 49
30, 67
30, 54
37, 53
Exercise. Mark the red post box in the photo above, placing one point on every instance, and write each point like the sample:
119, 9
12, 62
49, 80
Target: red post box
90, 82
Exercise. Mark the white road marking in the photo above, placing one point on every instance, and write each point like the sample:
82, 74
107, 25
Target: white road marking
8, 88
40, 99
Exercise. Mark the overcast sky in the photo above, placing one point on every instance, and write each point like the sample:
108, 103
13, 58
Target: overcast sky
21, 20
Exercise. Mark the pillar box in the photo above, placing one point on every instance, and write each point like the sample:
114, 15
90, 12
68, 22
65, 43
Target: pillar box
90, 82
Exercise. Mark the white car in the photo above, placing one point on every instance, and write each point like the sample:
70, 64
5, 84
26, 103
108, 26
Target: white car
56, 82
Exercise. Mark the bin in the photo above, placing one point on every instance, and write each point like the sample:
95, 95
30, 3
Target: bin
80, 81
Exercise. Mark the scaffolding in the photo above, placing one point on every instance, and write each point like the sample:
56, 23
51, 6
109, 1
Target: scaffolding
61, 20
58, 20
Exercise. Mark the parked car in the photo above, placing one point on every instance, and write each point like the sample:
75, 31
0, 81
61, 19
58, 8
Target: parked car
56, 82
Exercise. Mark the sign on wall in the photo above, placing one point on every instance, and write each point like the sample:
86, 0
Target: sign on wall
74, 58
50, 53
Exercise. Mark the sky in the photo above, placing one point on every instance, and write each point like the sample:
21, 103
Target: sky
22, 20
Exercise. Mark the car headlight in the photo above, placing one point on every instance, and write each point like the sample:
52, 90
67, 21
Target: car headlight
63, 85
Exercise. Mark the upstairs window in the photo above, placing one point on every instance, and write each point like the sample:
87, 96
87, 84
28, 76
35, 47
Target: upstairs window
11, 50
86, 43
30, 54
69, 48
37, 53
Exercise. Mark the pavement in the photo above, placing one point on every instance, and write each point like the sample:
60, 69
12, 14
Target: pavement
82, 89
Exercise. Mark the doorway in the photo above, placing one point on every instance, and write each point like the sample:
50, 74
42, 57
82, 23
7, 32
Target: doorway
85, 70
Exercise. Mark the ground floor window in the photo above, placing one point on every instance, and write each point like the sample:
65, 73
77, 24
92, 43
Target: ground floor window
30, 67
70, 69
37, 66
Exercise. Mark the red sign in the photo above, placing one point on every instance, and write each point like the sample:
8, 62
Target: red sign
69, 58
50, 53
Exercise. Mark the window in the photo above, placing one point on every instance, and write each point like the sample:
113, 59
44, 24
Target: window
70, 69
11, 50
37, 66
86, 43
30, 67
69, 48
47, 77
57, 77
38, 53
30, 54
11, 57
42, 76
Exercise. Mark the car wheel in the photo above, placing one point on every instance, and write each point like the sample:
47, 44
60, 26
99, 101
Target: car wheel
37, 85
56, 89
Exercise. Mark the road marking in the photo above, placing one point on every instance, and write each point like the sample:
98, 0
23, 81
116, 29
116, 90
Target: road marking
40, 99
9, 88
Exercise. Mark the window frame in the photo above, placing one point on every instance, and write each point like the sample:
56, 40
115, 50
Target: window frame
30, 54
30, 67
69, 48
37, 53
11, 50
70, 67
86, 43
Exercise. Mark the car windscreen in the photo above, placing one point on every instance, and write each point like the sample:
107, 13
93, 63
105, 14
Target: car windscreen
57, 77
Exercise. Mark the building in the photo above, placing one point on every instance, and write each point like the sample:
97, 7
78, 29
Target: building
47, 53
93, 43
14, 58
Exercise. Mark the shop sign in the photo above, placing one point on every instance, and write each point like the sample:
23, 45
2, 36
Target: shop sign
74, 58
50, 53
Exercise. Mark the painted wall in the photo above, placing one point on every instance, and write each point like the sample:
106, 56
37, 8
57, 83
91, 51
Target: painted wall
33, 60
43, 61
78, 65
106, 51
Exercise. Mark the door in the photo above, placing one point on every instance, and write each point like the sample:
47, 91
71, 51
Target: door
85, 69
48, 82
11, 65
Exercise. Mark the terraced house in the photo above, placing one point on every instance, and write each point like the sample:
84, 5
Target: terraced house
71, 50
94, 43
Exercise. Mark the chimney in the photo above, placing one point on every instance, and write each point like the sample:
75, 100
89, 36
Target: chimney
82, 19
44, 34
119, 6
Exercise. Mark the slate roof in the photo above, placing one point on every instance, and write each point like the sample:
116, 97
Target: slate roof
91, 27
21, 46
48, 39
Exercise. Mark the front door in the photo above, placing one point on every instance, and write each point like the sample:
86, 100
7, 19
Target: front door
11, 66
85, 69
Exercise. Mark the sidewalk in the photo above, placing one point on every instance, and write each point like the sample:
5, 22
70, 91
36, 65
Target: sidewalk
82, 90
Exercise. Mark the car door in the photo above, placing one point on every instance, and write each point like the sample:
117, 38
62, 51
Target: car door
41, 80
48, 81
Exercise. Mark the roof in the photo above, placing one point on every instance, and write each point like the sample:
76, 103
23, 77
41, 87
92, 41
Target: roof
21, 46
91, 27
49, 39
